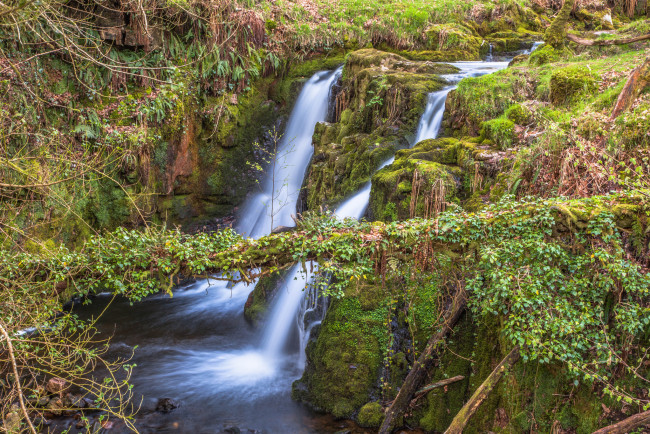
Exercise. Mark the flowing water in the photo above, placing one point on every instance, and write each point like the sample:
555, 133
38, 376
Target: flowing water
197, 348
277, 202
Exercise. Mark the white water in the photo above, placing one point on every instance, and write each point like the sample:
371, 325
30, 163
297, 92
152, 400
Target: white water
431, 120
276, 203
535, 46
283, 314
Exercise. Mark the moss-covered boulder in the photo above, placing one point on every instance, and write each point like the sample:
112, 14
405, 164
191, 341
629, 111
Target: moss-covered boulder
519, 114
571, 82
479, 99
345, 359
371, 415
543, 55
258, 302
500, 131
454, 38
434, 172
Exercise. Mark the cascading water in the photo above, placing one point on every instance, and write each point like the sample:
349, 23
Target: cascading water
430, 122
197, 347
277, 202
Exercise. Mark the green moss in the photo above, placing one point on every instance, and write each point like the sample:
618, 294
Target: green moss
571, 82
500, 131
543, 55
519, 114
345, 360
555, 34
371, 415
453, 37
257, 305
442, 404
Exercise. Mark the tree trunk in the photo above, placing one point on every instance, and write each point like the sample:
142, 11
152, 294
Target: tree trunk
419, 370
638, 79
627, 425
462, 417
556, 32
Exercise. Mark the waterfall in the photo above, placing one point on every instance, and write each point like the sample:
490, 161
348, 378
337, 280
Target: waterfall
431, 120
277, 201
296, 295
283, 314
534, 47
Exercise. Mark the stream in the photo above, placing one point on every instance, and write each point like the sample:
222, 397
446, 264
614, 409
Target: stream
197, 349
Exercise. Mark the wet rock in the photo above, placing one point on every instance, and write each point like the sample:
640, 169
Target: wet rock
76, 401
56, 406
166, 405
56, 385
232, 430
281, 229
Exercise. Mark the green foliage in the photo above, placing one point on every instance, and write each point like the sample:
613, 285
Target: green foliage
554, 302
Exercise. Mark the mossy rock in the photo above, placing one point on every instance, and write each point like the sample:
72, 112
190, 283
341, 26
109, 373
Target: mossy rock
259, 300
371, 415
344, 361
571, 82
543, 55
519, 114
500, 131
433, 161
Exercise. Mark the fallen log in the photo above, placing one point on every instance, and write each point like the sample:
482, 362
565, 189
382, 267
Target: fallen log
638, 79
463, 416
604, 42
421, 365
440, 383
626, 425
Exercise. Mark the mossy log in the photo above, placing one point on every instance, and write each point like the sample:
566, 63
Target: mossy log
421, 365
638, 79
462, 417
627, 425
603, 42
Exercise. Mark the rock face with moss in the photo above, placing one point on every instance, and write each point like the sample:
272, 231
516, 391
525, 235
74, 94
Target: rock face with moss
344, 362
422, 180
382, 97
